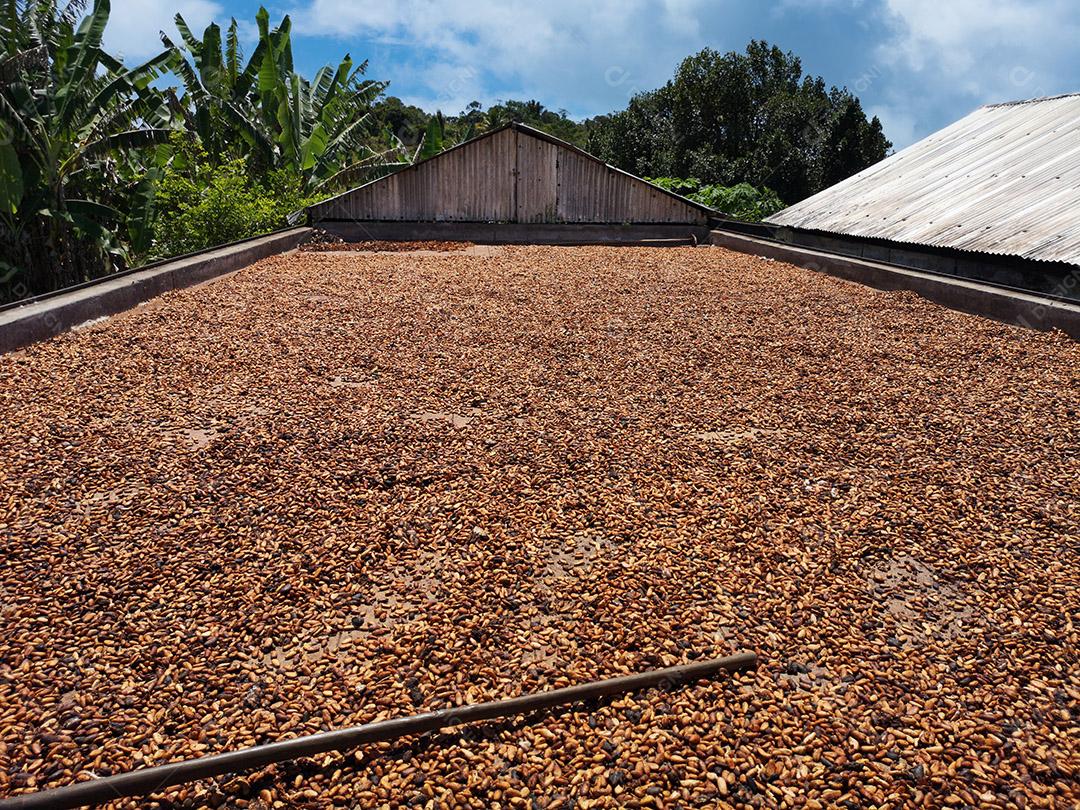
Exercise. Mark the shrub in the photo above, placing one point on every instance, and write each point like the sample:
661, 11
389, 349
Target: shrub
740, 202
199, 205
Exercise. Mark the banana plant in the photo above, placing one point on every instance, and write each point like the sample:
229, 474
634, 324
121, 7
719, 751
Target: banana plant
372, 166
397, 155
318, 126
81, 129
220, 96
434, 136
315, 129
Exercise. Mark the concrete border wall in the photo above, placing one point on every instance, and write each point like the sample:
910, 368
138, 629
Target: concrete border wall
1037, 277
513, 233
48, 317
1029, 310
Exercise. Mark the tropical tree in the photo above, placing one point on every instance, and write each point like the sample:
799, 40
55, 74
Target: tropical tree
536, 115
319, 130
79, 147
440, 134
411, 126
852, 144
201, 203
217, 90
752, 117
406, 122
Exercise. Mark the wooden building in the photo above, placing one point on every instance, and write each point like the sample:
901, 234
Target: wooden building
512, 184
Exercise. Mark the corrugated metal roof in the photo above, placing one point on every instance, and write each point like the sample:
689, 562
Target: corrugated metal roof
1004, 180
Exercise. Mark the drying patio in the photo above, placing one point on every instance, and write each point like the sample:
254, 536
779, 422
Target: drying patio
334, 487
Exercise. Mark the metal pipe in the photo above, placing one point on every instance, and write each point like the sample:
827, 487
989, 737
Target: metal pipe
152, 780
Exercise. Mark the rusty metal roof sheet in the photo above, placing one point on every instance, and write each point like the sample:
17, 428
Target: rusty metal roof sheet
1004, 180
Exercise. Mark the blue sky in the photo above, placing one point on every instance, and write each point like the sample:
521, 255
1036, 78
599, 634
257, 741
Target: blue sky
918, 64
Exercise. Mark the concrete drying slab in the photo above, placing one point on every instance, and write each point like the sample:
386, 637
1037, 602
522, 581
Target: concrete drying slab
1023, 309
49, 317
338, 486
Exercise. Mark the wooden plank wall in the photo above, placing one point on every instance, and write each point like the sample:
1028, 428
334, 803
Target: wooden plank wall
510, 176
590, 191
537, 179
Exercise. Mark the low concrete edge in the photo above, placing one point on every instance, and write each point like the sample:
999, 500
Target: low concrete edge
40, 320
1028, 310
509, 233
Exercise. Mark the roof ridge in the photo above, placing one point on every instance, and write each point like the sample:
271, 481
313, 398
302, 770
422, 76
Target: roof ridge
1035, 100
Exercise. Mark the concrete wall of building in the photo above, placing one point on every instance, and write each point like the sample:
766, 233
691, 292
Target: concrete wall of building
1051, 278
517, 233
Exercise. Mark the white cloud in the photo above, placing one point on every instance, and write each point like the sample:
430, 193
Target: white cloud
918, 64
988, 49
936, 60
450, 85
133, 26
577, 47
944, 58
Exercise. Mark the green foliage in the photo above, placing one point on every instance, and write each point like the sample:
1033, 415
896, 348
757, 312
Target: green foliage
11, 182
216, 89
433, 138
201, 204
270, 114
80, 132
412, 127
751, 117
535, 115
84, 142
741, 201
395, 119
